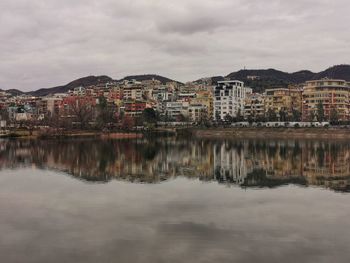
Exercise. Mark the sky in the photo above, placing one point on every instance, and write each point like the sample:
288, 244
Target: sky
46, 43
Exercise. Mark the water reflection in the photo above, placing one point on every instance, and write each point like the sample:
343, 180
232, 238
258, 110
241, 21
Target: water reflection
246, 163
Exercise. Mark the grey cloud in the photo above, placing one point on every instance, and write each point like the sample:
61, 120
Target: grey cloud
48, 43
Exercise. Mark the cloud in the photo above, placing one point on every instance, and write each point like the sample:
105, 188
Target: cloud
49, 43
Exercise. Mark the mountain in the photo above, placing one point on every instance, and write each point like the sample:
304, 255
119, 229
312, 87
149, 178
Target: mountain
336, 72
94, 80
82, 82
13, 92
162, 79
258, 79
273, 74
261, 79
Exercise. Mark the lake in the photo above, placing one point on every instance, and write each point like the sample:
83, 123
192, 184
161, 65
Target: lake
174, 200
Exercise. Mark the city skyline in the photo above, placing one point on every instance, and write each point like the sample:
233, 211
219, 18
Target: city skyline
48, 44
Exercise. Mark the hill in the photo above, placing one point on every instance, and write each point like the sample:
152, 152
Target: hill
82, 82
13, 92
258, 79
336, 72
162, 79
261, 79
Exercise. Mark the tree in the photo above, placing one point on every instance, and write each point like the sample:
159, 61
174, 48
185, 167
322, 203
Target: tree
228, 118
149, 115
128, 122
260, 118
181, 118
271, 115
250, 119
334, 117
320, 112
105, 113
239, 116
312, 115
217, 116
282, 115
83, 112
4, 115
296, 115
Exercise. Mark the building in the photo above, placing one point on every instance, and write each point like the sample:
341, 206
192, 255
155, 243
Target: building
332, 94
283, 100
50, 106
161, 93
254, 106
197, 112
205, 98
176, 109
229, 98
133, 90
134, 108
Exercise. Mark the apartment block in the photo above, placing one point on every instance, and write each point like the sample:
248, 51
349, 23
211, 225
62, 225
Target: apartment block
332, 94
288, 100
229, 98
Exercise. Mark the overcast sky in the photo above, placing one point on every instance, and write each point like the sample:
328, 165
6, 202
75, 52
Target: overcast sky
45, 43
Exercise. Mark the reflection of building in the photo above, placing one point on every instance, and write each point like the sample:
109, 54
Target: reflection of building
229, 164
333, 94
249, 163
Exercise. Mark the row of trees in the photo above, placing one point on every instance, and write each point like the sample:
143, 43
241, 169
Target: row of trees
284, 116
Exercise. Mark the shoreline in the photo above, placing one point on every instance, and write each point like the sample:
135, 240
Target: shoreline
272, 133
196, 132
72, 135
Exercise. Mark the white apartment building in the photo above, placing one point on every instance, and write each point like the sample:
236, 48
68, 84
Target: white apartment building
134, 92
229, 96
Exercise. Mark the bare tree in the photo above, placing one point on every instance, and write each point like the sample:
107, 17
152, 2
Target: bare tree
83, 112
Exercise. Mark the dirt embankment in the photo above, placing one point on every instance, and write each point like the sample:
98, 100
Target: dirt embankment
273, 133
72, 134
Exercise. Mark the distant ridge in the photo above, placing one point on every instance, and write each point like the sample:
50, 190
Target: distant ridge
84, 82
162, 79
336, 72
258, 79
13, 92
261, 79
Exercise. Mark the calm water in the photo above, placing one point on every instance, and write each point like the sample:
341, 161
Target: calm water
167, 200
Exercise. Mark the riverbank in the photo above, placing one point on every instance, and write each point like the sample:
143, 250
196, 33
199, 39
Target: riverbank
272, 133
72, 134
207, 133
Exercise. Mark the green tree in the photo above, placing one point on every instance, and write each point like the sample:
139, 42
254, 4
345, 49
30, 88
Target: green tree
228, 118
320, 112
149, 115
282, 115
296, 115
271, 115
334, 117
239, 116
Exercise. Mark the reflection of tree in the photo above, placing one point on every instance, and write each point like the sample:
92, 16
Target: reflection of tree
320, 156
258, 178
